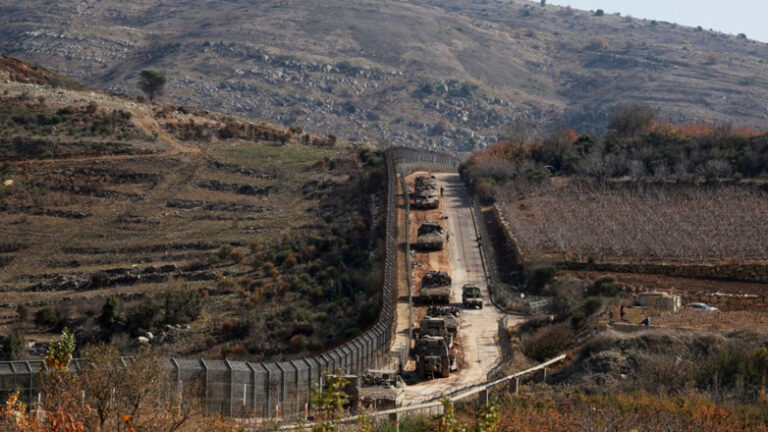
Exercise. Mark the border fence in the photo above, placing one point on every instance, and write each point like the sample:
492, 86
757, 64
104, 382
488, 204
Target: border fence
280, 390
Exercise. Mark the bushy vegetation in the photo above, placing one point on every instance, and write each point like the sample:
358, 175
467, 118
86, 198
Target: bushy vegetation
30, 128
638, 145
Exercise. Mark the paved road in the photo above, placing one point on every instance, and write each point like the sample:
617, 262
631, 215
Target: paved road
478, 332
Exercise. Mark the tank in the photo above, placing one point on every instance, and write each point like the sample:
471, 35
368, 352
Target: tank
471, 297
381, 389
433, 357
425, 193
435, 288
436, 326
449, 314
429, 236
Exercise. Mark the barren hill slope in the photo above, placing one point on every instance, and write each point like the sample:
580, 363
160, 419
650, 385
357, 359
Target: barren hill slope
451, 74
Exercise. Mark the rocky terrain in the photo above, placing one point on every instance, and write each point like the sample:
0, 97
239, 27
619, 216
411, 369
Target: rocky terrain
442, 74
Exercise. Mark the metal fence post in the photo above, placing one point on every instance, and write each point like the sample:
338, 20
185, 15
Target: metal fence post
205, 398
231, 386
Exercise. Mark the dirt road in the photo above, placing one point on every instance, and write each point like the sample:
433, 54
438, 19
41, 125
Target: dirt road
478, 346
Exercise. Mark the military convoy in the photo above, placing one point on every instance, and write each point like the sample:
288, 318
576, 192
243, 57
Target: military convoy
425, 195
429, 236
471, 297
437, 331
435, 288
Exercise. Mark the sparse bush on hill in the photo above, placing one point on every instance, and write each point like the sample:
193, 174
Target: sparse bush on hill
597, 43
48, 318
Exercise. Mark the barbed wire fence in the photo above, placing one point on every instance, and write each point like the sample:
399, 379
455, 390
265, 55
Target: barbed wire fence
280, 390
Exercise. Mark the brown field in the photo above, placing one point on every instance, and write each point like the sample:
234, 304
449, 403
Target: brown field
673, 223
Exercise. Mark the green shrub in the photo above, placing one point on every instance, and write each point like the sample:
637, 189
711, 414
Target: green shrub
547, 342
143, 317
592, 305
604, 286
11, 346
181, 304
47, 318
540, 277
578, 319
110, 313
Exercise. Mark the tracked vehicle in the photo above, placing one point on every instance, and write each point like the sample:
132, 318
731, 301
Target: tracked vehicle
435, 288
430, 236
449, 314
381, 389
433, 357
425, 193
435, 326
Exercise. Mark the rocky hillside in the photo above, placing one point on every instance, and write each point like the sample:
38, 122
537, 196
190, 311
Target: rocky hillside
451, 74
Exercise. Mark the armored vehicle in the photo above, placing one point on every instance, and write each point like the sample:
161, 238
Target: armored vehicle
433, 357
425, 194
381, 389
430, 236
435, 326
435, 288
449, 314
471, 297
426, 200
422, 182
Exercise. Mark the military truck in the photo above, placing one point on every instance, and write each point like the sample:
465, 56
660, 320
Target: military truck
430, 236
435, 288
381, 389
449, 314
435, 326
471, 297
433, 357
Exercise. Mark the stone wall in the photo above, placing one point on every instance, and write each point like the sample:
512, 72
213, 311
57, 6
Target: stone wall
728, 272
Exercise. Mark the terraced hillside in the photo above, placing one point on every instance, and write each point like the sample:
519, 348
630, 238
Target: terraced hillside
449, 74
213, 233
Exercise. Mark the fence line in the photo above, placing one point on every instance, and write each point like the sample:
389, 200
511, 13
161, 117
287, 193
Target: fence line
281, 390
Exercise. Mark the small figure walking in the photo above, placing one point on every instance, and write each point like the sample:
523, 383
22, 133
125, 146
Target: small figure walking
441, 191
646, 321
447, 237
622, 312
